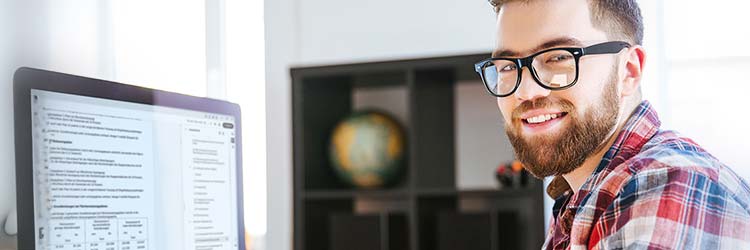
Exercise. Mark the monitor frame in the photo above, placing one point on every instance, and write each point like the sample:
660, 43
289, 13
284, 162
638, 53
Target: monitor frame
25, 79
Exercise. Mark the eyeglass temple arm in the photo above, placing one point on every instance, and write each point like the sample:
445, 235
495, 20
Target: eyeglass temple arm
605, 48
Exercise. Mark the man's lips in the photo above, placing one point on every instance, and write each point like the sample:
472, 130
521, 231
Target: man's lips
540, 121
540, 116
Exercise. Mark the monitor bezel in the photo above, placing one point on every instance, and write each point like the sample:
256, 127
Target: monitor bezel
25, 79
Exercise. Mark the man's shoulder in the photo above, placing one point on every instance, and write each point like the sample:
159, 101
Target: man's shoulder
670, 150
673, 194
673, 163
674, 150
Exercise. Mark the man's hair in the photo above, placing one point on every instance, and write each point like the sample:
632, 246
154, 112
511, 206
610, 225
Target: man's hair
621, 19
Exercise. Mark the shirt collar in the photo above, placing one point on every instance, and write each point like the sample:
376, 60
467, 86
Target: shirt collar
641, 126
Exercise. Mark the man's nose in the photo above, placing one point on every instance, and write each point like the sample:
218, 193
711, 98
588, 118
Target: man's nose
529, 88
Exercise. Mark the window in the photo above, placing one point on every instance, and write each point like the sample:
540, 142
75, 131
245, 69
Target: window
163, 45
698, 56
202, 48
159, 44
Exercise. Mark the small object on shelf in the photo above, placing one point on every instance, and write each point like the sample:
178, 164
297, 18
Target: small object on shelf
367, 149
512, 175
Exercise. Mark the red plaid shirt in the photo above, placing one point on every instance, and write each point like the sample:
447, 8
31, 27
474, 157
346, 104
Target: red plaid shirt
652, 190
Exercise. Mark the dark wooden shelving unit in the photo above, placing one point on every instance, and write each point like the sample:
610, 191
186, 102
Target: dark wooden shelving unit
425, 210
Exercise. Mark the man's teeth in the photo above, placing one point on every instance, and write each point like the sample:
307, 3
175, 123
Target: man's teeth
541, 118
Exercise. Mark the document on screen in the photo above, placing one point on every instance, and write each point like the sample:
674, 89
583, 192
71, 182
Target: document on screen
114, 175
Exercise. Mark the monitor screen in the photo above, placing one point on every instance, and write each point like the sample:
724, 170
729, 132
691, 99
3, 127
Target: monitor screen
116, 175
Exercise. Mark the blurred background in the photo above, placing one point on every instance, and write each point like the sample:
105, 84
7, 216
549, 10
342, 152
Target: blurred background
242, 51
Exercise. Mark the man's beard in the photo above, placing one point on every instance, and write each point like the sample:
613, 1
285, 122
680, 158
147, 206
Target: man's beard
563, 152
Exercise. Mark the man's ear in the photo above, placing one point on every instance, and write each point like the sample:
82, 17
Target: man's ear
634, 60
11, 225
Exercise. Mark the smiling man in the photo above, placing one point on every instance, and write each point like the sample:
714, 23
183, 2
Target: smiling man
567, 76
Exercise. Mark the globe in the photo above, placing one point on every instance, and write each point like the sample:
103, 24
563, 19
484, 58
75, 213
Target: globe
367, 149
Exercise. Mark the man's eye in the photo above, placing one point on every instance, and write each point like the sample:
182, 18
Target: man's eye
509, 67
559, 58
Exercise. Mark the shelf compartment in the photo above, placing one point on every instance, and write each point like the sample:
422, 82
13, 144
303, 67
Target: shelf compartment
519, 214
369, 232
315, 222
320, 102
490, 230
464, 231
427, 210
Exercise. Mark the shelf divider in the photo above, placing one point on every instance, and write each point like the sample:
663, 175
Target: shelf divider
432, 133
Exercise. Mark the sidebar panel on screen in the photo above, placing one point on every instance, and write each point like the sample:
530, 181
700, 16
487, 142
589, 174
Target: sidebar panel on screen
208, 185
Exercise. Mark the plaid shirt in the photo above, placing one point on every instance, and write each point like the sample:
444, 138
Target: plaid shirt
652, 190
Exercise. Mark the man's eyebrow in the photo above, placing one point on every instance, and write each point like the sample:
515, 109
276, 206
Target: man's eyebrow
560, 41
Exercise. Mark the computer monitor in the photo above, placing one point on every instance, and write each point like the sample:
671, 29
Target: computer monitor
103, 165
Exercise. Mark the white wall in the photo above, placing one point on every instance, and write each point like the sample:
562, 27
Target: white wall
12, 25
314, 32
7, 169
345, 31
280, 51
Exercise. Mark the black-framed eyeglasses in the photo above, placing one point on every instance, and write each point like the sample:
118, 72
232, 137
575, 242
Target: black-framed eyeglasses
554, 69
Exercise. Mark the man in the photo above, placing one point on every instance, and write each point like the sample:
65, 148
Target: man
567, 75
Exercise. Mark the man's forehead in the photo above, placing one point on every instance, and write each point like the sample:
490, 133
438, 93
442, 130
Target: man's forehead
526, 27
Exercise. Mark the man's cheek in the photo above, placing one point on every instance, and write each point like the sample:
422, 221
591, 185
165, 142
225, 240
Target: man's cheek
507, 119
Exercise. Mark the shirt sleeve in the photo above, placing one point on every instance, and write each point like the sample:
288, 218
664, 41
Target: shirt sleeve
672, 208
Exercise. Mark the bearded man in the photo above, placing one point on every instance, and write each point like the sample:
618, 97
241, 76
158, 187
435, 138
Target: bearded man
567, 78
